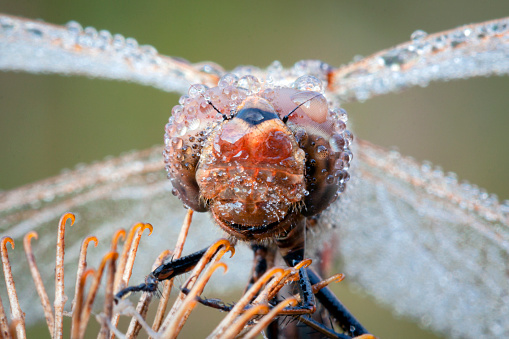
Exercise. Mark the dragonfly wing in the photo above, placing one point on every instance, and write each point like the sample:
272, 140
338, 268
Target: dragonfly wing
37, 47
474, 50
424, 245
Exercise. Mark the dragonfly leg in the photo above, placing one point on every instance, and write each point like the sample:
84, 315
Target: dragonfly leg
165, 271
292, 247
263, 261
336, 309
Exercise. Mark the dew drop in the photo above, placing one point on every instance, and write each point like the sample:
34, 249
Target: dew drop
440, 42
210, 68
418, 35
348, 137
74, 27
250, 83
31, 29
193, 124
176, 110
342, 115
89, 37
308, 83
337, 142
330, 179
196, 90
148, 50
227, 80
275, 66
339, 165
321, 151
118, 41
7, 25
177, 143
103, 39
182, 99
498, 28
131, 44
182, 131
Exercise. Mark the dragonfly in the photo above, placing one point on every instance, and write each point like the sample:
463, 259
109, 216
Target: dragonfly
409, 234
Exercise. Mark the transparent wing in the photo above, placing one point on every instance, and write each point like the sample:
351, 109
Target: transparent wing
473, 50
468, 51
38, 47
425, 245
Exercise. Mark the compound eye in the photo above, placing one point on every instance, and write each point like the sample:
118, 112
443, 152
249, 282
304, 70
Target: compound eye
275, 147
313, 104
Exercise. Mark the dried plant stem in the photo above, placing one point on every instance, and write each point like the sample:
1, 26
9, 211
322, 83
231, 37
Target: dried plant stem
4, 324
244, 301
82, 265
274, 286
269, 317
60, 297
108, 296
78, 302
188, 304
17, 315
142, 309
87, 308
324, 283
39, 285
116, 238
122, 261
221, 247
126, 262
126, 308
110, 286
241, 321
167, 285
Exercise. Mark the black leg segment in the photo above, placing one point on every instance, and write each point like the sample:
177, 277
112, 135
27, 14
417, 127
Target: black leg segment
163, 272
345, 319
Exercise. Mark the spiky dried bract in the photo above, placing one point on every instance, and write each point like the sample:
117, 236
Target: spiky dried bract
264, 321
60, 297
82, 264
126, 261
17, 315
161, 308
41, 291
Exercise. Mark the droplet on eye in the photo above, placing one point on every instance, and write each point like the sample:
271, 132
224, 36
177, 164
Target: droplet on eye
313, 104
250, 83
228, 80
275, 147
196, 90
308, 83
337, 142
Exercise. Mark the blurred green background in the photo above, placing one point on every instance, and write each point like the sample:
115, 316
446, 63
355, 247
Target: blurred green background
48, 123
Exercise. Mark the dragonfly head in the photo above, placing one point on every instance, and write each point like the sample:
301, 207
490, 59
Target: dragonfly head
258, 161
